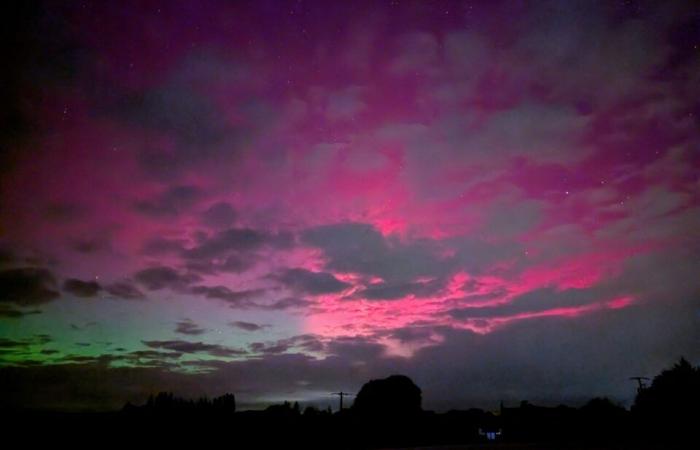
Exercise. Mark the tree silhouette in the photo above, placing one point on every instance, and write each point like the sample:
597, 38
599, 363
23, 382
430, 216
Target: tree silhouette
672, 400
396, 395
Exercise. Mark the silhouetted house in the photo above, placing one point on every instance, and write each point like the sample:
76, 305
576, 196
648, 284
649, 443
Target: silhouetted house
490, 433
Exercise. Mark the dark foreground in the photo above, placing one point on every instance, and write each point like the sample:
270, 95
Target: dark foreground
253, 430
386, 413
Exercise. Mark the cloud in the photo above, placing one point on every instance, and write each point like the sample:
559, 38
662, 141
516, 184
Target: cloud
414, 334
90, 245
161, 277
171, 202
12, 313
176, 110
79, 328
219, 215
81, 288
539, 300
158, 246
308, 282
27, 286
237, 263
393, 291
302, 342
234, 263
417, 53
538, 131
153, 354
405, 265
287, 303
23, 345
239, 299
66, 211
248, 326
355, 348
188, 327
179, 109
360, 248
124, 290
232, 239
195, 347
345, 104
233, 249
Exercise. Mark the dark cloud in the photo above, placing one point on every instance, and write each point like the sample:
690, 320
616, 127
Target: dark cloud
392, 291
27, 286
308, 282
261, 347
65, 211
178, 108
80, 328
355, 348
532, 302
178, 111
232, 239
195, 347
157, 246
24, 344
91, 245
81, 288
171, 202
232, 250
161, 277
248, 326
11, 343
288, 303
124, 290
11, 313
302, 342
239, 299
417, 267
232, 264
414, 333
219, 215
153, 354
42, 338
237, 263
360, 248
189, 327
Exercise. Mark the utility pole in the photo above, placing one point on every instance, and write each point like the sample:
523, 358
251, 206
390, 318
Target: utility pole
641, 383
341, 394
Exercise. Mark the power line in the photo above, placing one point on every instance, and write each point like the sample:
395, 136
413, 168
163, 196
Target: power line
341, 394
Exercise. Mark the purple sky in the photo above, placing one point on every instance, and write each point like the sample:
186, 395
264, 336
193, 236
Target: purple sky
283, 199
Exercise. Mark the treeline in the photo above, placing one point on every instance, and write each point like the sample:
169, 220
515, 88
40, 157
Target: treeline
166, 402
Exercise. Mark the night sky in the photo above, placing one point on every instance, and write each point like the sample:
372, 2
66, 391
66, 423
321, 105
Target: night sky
500, 200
